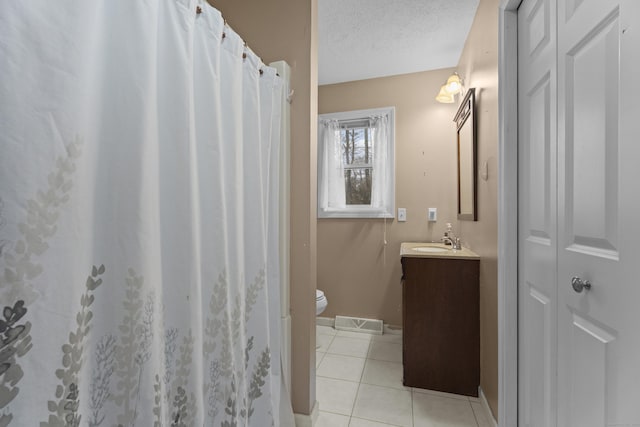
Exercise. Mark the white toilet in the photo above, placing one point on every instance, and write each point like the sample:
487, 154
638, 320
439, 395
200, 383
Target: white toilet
321, 302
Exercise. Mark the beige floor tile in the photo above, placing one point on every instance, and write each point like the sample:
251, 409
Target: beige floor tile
358, 335
336, 396
323, 341
319, 357
385, 374
436, 411
483, 419
391, 338
349, 347
359, 422
380, 399
325, 330
441, 394
328, 419
384, 404
341, 367
390, 352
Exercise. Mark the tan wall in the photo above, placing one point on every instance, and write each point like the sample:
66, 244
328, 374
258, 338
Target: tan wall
361, 276
357, 272
479, 67
276, 30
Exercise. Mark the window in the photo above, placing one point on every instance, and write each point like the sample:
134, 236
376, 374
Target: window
356, 164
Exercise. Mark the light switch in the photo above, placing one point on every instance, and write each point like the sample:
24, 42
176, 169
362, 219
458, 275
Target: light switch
432, 214
402, 214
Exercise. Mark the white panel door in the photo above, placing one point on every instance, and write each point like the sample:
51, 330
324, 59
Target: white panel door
599, 212
579, 213
537, 236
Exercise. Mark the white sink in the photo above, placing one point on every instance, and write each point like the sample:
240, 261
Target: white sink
434, 250
430, 249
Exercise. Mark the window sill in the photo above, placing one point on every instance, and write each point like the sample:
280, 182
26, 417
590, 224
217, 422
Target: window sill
354, 213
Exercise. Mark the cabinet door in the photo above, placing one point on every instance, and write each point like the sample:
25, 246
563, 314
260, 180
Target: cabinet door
441, 329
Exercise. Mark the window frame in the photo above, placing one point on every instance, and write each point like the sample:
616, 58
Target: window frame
360, 211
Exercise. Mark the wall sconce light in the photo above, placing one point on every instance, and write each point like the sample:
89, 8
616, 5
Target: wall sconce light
454, 84
444, 96
452, 87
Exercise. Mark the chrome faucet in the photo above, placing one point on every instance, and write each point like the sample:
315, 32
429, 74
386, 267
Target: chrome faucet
455, 243
450, 239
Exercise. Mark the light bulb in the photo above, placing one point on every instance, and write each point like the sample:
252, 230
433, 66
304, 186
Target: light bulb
444, 96
454, 85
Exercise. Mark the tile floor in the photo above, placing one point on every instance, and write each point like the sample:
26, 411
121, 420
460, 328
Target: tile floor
359, 384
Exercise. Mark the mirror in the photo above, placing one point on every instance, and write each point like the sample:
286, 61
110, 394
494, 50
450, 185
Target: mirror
467, 156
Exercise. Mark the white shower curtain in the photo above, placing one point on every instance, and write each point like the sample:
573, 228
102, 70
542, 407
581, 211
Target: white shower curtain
139, 280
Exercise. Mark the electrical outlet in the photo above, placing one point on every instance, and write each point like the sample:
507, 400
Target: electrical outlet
432, 214
402, 214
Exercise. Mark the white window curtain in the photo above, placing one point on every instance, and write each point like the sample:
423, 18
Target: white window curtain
381, 190
331, 171
332, 195
138, 218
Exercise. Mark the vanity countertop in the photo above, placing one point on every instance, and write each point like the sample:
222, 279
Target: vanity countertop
408, 249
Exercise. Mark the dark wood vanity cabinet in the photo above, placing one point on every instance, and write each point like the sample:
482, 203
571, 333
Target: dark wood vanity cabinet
441, 324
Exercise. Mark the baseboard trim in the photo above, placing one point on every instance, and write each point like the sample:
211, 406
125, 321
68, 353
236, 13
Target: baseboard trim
304, 420
392, 329
325, 321
330, 322
485, 405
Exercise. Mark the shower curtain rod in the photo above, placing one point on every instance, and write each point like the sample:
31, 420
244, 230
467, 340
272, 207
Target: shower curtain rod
224, 35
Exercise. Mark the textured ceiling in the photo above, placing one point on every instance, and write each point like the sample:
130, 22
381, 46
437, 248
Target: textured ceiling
362, 39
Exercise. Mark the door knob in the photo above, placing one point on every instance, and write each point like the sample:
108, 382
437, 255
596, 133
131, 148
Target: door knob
579, 284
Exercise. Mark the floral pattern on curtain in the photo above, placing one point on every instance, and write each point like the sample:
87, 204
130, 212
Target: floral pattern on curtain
139, 280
